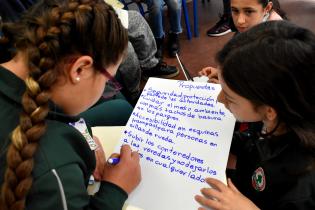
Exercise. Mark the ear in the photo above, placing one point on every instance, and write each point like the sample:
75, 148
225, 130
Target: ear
270, 113
268, 8
80, 68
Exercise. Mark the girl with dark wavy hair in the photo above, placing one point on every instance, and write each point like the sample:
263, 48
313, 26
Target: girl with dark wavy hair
267, 76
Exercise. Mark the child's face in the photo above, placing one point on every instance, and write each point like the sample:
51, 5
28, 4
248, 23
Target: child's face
247, 13
75, 96
242, 109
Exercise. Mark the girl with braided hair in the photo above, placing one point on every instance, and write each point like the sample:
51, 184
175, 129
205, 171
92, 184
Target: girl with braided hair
56, 66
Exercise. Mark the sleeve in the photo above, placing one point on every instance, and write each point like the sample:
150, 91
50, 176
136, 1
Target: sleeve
303, 204
301, 196
116, 197
299, 205
47, 192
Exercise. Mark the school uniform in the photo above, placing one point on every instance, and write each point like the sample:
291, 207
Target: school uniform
64, 160
271, 171
11, 10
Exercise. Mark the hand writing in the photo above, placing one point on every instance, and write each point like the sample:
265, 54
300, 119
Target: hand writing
125, 174
211, 73
222, 197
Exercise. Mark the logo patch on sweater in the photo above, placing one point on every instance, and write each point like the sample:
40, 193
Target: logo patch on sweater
259, 179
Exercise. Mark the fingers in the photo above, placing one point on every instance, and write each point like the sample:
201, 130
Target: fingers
212, 196
97, 142
211, 193
127, 154
114, 155
205, 71
125, 151
135, 156
217, 184
207, 202
232, 186
213, 80
200, 73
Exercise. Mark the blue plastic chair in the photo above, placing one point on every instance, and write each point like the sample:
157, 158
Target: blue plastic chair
139, 5
186, 16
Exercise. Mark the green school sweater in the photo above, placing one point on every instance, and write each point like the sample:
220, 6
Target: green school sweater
64, 161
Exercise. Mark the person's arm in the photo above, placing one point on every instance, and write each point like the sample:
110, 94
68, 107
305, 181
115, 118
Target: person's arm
115, 197
47, 193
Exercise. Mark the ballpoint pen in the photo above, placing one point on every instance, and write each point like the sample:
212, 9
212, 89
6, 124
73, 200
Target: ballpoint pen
113, 161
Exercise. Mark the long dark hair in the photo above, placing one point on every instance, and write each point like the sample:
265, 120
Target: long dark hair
274, 64
49, 33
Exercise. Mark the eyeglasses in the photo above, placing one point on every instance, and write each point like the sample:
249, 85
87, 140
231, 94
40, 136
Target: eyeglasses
112, 85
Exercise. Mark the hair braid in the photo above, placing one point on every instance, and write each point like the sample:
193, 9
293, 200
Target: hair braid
25, 138
76, 25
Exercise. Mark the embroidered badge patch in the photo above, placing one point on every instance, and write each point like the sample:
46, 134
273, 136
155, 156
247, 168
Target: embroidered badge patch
259, 179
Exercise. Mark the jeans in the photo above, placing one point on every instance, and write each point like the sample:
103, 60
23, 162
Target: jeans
155, 8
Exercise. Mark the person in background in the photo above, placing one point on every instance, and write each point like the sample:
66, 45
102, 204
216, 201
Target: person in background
140, 61
101, 113
11, 10
246, 14
222, 27
155, 8
53, 69
267, 77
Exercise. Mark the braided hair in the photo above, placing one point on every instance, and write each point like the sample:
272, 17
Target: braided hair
50, 32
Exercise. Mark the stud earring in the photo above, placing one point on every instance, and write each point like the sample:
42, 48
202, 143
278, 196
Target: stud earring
77, 79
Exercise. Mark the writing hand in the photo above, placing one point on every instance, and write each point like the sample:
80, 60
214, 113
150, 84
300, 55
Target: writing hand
222, 197
100, 160
211, 73
127, 173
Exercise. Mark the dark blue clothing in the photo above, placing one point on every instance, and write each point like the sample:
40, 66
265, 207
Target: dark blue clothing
11, 10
